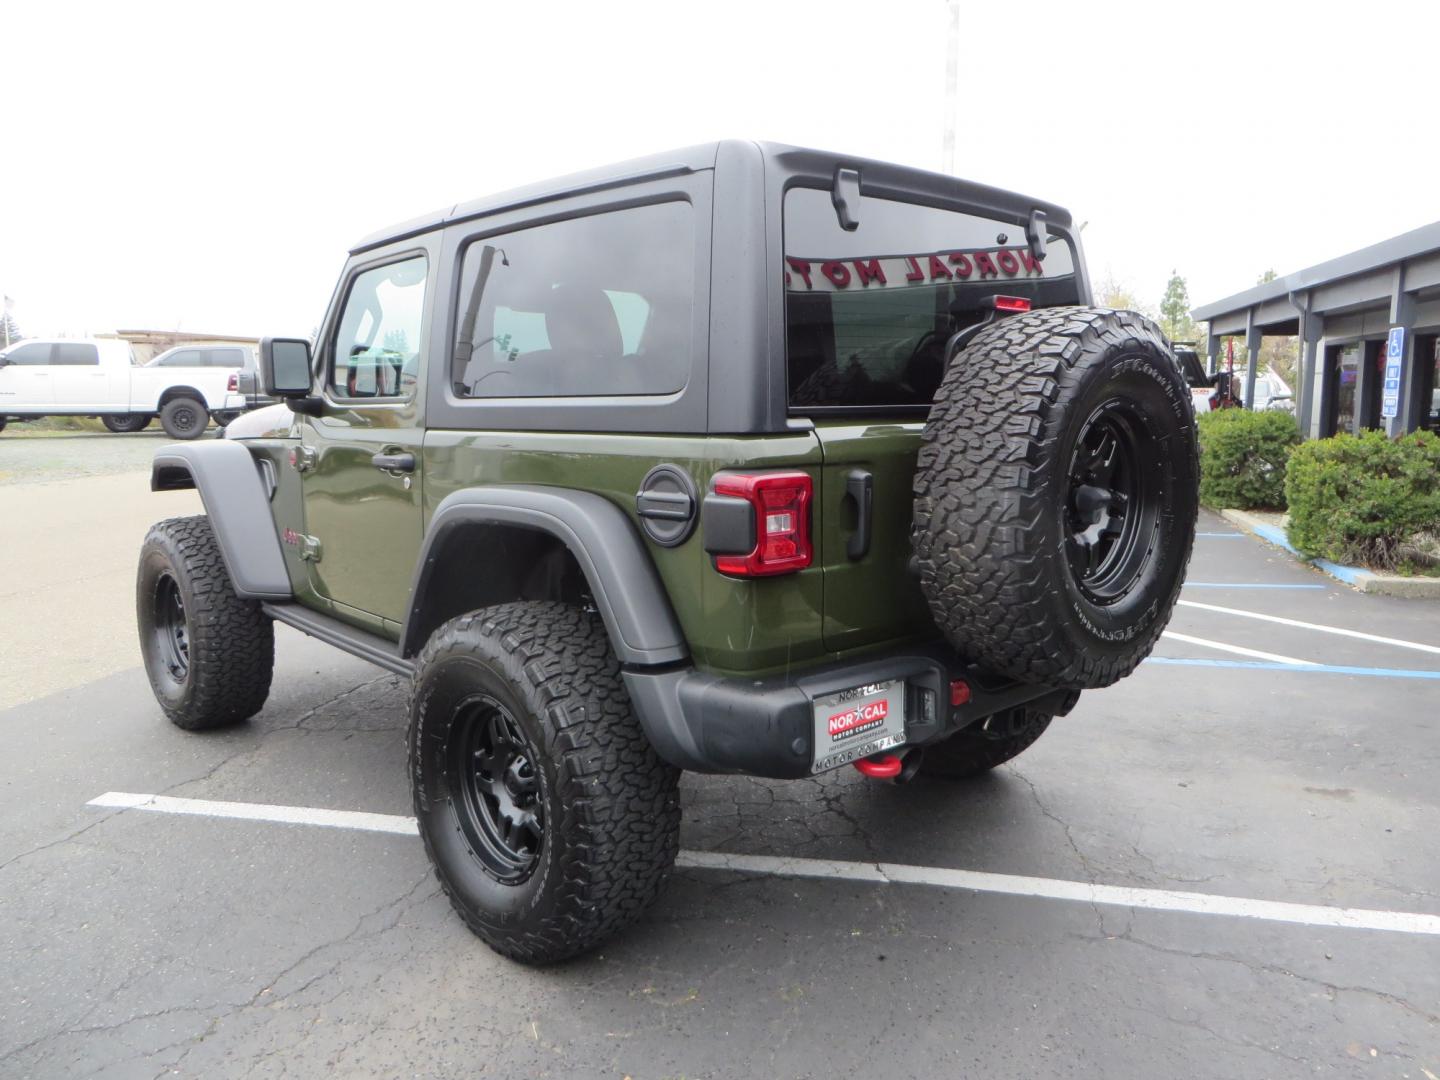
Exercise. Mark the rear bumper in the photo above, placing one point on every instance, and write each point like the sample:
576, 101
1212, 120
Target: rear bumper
765, 727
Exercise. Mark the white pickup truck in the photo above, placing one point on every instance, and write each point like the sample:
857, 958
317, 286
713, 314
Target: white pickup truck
97, 377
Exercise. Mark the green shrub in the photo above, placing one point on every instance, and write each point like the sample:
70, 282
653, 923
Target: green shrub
1242, 457
1357, 499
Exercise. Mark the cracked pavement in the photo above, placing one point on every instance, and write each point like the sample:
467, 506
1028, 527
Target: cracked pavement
144, 945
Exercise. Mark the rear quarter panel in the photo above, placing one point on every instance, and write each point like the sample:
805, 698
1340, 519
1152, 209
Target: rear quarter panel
732, 626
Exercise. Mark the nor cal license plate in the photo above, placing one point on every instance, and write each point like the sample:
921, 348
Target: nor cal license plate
853, 724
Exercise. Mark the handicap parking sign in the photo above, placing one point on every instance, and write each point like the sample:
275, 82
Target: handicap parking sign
1394, 350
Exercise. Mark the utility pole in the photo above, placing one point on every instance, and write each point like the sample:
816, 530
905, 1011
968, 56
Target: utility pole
952, 79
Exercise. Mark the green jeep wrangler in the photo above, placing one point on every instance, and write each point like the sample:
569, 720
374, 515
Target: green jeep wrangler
740, 459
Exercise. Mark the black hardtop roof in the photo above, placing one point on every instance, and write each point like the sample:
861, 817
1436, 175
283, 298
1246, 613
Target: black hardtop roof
876, 176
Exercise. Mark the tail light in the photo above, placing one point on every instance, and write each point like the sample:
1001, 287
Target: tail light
780, 504
1011, 303
1215, 400
233, 384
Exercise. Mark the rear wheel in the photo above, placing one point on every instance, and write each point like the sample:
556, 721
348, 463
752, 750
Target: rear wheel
184, 418
208, 653
1056, 494
549, 818
986, 744
127, 423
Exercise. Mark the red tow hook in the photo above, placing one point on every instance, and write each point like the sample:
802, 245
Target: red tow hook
879, 767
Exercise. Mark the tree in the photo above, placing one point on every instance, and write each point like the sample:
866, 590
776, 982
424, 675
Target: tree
9, 330
1175, 318
1113, 293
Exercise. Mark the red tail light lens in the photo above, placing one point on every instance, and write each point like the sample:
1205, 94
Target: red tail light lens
233, 384
782, 522
1011, 303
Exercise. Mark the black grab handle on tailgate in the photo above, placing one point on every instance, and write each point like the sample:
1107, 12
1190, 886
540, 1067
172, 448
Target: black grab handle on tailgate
860, 486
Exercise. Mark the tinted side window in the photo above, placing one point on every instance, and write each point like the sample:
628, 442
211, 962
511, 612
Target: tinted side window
377, 343
76, 354
228, 358
31, 355
592, 305
182, 358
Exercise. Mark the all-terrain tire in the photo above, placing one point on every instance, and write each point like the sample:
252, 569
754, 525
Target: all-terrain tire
539, 678
986, 744
215, 668
1007, 477
184, 418
127, 423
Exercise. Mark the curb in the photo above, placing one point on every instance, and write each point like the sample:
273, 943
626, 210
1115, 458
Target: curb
1366, 581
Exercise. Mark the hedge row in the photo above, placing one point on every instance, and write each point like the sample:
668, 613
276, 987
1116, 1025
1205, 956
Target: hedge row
1242, 458
1358, 498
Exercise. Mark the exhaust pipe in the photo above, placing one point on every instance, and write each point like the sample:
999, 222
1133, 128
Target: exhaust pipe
910, 764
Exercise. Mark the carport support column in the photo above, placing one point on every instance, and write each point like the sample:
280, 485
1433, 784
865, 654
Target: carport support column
1402, 314
1212, 349
1252, 349
1311, 329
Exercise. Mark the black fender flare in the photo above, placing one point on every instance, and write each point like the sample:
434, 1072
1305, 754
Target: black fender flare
237, 501
623, 581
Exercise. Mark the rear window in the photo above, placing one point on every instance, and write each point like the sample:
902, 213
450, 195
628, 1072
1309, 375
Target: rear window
868, 311
591, 305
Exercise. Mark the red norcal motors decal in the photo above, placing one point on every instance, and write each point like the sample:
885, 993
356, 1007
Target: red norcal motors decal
907, 271
857, 721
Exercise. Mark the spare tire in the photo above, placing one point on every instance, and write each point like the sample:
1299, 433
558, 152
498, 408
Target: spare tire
1056, 495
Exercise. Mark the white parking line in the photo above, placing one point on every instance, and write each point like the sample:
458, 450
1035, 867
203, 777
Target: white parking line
1224, 646
1400, 642
1401, 922
287, 815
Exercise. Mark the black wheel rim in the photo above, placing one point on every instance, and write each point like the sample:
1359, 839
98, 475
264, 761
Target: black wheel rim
172, 635
183, 419
1111, 503
495, 789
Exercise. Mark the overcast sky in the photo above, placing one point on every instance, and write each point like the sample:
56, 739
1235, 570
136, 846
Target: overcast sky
205, 167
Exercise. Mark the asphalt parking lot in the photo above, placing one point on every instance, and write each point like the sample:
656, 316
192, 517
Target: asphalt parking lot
1226, 866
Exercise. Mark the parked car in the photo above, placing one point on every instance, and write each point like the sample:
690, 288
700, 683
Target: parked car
1202, 384
98, 377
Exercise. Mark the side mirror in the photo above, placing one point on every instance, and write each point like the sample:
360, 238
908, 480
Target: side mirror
285, 367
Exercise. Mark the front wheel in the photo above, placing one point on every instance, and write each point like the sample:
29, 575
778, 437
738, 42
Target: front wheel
184, 418
208, 653
549, 818
127, 423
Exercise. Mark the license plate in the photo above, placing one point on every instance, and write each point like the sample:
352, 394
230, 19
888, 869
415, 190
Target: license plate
854, 724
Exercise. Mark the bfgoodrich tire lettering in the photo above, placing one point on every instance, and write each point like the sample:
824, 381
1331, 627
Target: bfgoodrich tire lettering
607, 807
1056, 495
208, 653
